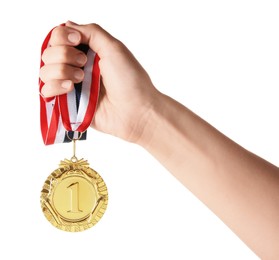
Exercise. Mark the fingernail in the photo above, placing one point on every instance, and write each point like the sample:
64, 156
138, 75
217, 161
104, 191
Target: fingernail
81, 59
78, 74
73, 37
66, 84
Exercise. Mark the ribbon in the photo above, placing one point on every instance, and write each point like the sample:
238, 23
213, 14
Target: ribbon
66, 116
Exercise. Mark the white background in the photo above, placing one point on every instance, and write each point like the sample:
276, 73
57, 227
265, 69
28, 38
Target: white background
219, 58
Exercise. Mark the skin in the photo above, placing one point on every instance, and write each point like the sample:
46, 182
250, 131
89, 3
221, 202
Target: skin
241, 188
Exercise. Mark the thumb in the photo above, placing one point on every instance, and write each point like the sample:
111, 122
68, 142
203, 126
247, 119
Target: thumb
95, 37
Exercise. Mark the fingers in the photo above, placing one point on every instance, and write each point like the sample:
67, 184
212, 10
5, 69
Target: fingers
63, 35
56, 87
93, 35
63, 62
96, 37
59, 78
65, 55
61, 72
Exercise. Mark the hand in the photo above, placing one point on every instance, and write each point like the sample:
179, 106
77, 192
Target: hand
127, 93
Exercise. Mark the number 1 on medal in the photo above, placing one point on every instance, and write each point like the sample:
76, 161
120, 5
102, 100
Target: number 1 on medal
74, 188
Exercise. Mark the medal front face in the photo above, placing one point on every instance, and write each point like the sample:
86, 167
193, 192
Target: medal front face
74, 197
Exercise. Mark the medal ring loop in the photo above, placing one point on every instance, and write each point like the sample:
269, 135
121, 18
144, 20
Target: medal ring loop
72, 139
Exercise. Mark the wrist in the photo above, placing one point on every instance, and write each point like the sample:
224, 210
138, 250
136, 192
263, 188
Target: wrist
151, 120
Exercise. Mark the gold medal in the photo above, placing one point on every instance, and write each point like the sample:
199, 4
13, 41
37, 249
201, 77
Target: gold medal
74, 196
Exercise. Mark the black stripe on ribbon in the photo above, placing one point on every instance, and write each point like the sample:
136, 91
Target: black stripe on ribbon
78, 88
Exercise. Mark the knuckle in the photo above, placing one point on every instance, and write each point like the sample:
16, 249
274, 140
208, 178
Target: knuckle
42, 74
112, 43
94, 26
49, 89
45, 55
57, 35
44, 91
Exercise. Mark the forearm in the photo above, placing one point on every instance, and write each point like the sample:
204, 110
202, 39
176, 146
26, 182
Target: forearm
239, 187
